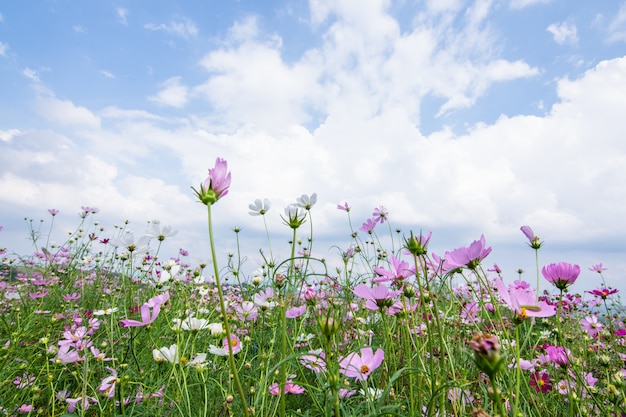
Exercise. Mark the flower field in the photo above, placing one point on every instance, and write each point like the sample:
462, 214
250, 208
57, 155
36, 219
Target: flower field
100, 325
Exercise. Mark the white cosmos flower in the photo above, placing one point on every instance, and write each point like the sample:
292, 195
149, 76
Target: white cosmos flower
169, 354
259, 208
307, 202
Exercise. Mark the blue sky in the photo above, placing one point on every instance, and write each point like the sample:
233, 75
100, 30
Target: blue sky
460, 117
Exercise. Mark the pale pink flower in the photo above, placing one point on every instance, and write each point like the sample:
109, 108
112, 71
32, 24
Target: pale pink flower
591, 325
290, 388
361, 366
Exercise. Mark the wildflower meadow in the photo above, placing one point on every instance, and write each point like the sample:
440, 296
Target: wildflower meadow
101, 325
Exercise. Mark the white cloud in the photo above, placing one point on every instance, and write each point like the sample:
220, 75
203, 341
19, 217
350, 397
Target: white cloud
617, 26
122, 15
66, 113
183, 28
8, 135
520, 4
172, 94
564, 32
3, 48
107, 74
31, 74
79, 29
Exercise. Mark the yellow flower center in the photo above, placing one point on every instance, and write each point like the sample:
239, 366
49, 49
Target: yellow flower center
524, 313
365, 369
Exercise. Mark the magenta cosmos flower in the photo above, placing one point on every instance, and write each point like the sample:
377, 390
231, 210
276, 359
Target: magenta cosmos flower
361, 366
523, 301
561, 275
603, 292
216, 185
465, 256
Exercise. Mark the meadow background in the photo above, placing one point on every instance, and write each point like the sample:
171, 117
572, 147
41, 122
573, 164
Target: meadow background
464, 118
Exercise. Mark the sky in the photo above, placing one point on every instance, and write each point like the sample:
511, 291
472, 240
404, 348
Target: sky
464, 118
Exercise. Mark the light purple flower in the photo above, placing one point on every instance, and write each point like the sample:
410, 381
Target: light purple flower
561, 274
380, 214
469, 257
368, 226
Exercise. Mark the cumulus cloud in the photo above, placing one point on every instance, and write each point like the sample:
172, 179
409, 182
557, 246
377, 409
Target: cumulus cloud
564, 32
173, 93
183, 28
66, 113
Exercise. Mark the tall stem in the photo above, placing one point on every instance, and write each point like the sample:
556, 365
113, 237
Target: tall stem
231, 356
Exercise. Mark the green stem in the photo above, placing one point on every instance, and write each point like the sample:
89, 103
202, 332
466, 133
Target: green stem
231, 356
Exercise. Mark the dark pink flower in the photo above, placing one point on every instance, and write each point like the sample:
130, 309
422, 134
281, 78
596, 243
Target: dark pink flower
469, 257
561, 274
541, 382
603, 292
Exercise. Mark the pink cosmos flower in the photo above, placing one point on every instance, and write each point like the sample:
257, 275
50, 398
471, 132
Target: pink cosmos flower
361, 366
53, 212
295, 312
597, 268
149, 311
247, 311
379, 297
400, 270
368, 226
216, 184
315, 361
344, 207
290, 388
561, 274
469, 257
523, 301
558, 355
380, 214
591, 325
107, 385
532, 238
235, 343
